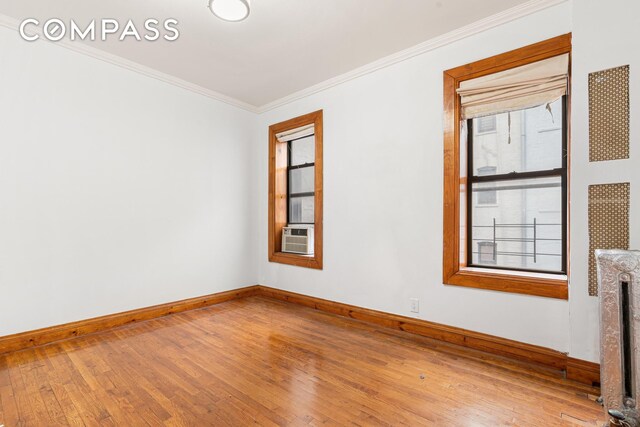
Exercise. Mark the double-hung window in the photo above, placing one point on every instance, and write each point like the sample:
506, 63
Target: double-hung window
301, 174
295, 191
518, 207
506, 171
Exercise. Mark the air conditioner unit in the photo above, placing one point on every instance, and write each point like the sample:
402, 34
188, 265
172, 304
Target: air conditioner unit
298, 240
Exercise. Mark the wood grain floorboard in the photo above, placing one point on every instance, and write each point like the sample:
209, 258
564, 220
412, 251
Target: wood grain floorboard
258, 361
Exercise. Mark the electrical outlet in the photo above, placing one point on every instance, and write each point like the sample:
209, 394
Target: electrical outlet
415, 305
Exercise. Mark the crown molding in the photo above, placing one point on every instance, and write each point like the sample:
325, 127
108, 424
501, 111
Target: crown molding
85, 49
504, 17
485, 24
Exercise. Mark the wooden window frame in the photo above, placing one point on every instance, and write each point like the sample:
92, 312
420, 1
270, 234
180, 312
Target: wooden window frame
278, 192
454, 268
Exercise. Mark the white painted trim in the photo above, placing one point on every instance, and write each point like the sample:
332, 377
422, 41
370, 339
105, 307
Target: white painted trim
504, 17
79, 47
485, 24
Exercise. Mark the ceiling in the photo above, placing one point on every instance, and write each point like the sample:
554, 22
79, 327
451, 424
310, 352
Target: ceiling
283, 47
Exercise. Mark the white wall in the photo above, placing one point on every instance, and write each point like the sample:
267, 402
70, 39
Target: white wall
605, 35
117, 191
383, 195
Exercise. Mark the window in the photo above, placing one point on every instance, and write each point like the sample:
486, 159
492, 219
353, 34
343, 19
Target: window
486, 124
295, 186
506, 175
486, 192
487, 252
529, 222
301, 173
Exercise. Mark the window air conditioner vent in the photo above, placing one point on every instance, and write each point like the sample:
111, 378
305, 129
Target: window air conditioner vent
298, 240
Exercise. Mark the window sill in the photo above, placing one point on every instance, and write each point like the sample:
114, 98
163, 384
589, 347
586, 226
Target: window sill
523, 274
538, 284
307, 261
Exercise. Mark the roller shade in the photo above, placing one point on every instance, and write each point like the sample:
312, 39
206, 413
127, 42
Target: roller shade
296, 133
515, 89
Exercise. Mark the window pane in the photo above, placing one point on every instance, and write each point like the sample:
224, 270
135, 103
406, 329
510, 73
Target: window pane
303, 151
525, 224
487, 196
487, 252
302, 180
486, 124
524, 140
301, 210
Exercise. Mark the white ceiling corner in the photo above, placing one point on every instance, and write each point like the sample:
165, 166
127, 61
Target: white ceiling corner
286, 50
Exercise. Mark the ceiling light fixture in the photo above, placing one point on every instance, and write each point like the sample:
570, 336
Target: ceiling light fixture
230, 10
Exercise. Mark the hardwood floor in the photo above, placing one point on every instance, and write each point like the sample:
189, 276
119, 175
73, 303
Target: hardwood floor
265, 362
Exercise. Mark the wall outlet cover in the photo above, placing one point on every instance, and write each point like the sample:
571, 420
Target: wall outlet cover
415, 305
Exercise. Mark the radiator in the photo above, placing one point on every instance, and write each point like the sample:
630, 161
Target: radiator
619, 290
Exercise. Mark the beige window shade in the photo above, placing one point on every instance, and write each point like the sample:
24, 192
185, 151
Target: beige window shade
521, 87
296, 133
